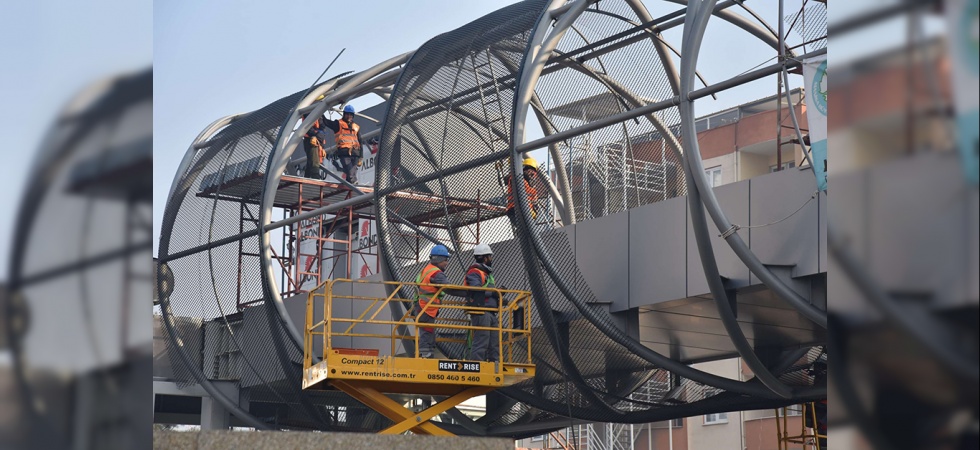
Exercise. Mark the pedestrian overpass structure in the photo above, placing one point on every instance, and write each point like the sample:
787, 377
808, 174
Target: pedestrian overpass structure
637, 267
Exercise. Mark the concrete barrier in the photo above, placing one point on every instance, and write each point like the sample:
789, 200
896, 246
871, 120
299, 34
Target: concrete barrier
256, 440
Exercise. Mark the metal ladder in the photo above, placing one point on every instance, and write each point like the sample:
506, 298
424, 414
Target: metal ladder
488, 104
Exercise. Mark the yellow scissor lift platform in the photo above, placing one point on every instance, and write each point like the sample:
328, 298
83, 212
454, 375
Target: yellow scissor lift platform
366, 375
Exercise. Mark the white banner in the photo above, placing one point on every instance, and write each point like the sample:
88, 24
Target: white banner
964, 51
365, 174
364, 265
815, 76
309, 261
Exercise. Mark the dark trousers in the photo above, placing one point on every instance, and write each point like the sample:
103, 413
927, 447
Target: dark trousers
427, 336
512, 217
348, 164
312, 161
485, 345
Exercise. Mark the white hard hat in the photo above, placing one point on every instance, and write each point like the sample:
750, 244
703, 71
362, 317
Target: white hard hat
482, 250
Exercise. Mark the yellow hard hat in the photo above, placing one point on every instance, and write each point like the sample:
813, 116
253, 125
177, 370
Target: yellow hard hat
530, 162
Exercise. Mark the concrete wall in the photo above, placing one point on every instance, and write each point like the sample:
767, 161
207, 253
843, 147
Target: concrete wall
760, 434
722, 435
657, 437
727, 162
751, 165
235, 440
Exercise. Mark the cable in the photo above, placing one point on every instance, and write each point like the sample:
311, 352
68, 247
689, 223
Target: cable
735, 227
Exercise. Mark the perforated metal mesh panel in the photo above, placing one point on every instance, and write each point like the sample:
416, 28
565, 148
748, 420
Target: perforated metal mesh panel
453, 105
239, 337
444, 161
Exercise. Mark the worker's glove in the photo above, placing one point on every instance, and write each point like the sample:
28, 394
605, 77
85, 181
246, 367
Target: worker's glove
359, 162
314, 141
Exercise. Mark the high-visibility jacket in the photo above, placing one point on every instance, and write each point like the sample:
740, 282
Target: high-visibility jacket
346, 135
532, 195
481, 299
427, 292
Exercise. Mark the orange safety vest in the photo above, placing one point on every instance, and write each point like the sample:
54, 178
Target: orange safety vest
427, 291
484, 281
346, 135
532, 195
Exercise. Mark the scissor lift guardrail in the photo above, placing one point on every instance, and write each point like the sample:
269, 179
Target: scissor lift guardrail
809, 438
367, 375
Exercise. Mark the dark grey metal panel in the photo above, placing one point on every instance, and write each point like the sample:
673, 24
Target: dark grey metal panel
687, 355
691, 326
795, 240
342, 308
602, 248
296, 307
850, 224
367, 293
508, 264
734, 199
255, 328
658, 245
759, 306
973, 239
822, 233
921, 248
189, 330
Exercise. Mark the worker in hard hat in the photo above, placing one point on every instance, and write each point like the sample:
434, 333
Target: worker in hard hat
530, 177
313, 144
432, 274
347, 134
485, 344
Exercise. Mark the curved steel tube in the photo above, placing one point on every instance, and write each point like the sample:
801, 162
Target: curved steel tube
203, 136
531, 71
286, 143
542, 43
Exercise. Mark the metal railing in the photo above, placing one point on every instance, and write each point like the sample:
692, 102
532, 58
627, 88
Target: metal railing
513, 332
810, 436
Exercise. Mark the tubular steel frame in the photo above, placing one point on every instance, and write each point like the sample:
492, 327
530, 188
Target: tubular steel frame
558, 17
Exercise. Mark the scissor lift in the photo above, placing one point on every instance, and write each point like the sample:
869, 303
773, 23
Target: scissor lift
366, 375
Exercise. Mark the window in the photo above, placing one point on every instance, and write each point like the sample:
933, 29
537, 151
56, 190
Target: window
714, 176
786, 165
537, 438
712, 419
701, 124
677, 423
794, 410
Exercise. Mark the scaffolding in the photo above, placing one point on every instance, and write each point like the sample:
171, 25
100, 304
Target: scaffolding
810, 436
333, 236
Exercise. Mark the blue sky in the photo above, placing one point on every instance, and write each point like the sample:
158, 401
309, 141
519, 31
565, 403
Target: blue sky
221, 57
51, 50
218, 57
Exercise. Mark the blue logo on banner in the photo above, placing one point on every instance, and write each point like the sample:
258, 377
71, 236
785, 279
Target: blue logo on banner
968, 129
818, 150
819, 88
